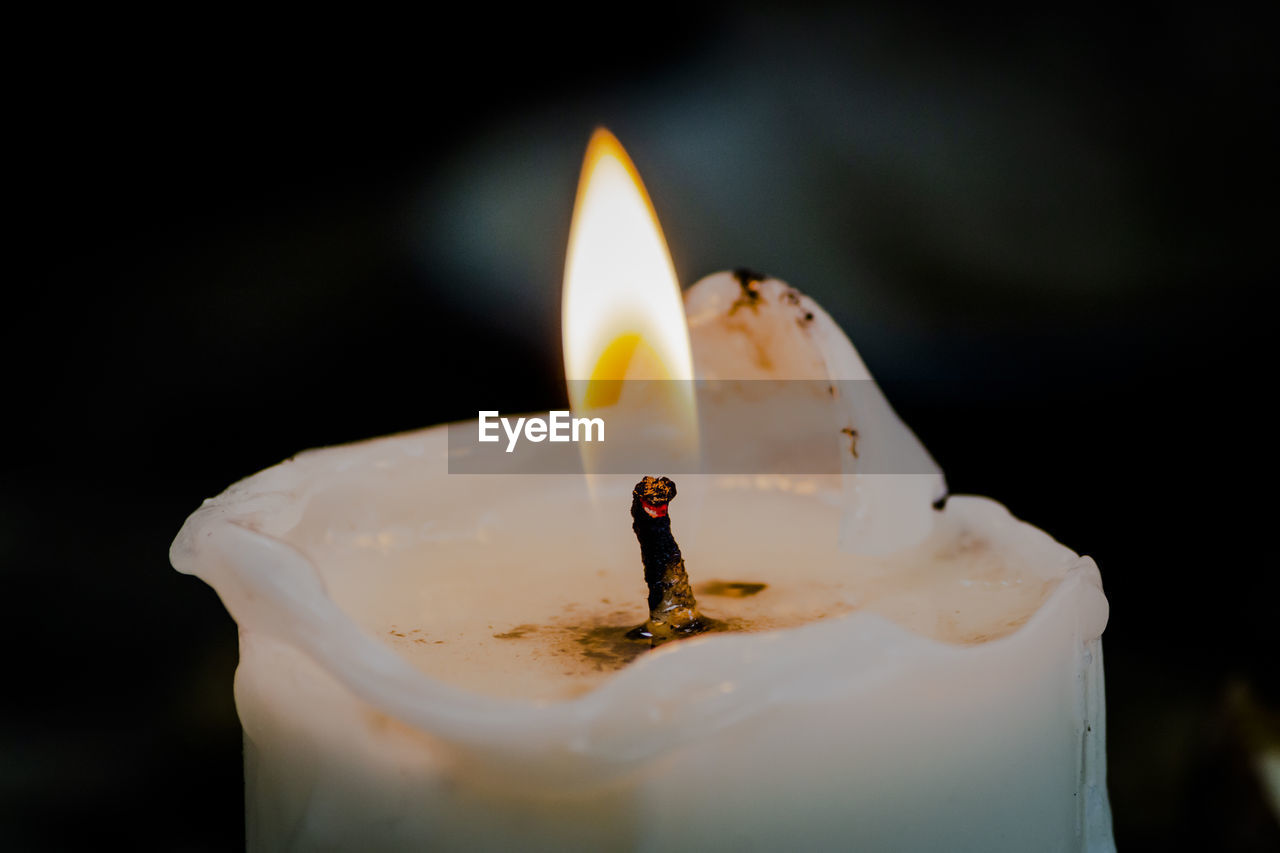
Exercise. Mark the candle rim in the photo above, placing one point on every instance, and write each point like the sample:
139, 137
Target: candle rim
234, 542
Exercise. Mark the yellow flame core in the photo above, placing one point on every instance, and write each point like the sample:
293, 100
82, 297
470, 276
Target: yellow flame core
623, 316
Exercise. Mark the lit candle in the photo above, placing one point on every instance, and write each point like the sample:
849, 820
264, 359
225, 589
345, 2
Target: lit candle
436, 660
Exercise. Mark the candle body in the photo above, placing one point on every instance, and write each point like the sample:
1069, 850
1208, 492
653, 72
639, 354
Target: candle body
925, 713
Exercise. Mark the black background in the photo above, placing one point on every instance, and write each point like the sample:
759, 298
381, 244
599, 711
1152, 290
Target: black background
235, 238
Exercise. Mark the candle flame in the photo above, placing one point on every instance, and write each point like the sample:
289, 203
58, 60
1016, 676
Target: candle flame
622, 312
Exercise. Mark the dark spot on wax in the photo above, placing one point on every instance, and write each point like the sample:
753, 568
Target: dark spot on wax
732, 589
516, 633
853, 440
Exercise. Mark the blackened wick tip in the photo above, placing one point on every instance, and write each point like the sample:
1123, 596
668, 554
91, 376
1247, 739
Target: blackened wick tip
655, 491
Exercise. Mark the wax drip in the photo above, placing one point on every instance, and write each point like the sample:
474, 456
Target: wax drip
673, 612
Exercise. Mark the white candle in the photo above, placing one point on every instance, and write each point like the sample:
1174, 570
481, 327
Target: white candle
434, 661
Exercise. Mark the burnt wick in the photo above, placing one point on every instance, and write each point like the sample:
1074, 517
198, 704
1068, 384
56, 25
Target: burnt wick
673, 612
